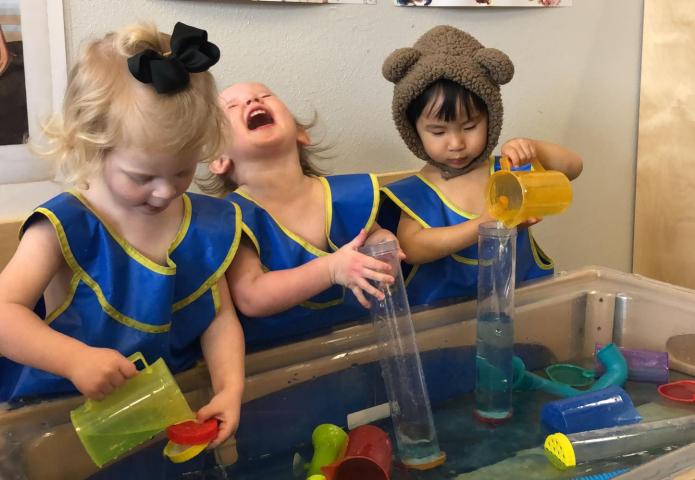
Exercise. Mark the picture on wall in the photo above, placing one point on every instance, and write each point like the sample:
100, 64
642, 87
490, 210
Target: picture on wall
13, 96
33, 76
483, 3
369, 2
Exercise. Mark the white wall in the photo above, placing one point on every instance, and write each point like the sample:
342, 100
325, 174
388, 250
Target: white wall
576, 83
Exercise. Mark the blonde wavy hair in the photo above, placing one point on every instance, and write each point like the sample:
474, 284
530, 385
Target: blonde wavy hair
105, 106
221, 185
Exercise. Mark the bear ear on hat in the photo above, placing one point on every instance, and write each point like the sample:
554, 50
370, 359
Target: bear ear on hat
498, 65
399, 63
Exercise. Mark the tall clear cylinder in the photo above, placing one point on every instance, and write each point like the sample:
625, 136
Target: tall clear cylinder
401, 369
495, 329
619, 441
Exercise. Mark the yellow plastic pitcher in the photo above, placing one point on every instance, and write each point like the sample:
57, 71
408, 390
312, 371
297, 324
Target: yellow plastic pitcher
132, 414
513, 197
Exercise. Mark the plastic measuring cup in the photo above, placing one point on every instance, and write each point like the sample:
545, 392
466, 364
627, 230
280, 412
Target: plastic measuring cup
133, 413
604, 408
515, 196
367, 457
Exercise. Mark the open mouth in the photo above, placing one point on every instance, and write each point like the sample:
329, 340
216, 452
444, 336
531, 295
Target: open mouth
258, 118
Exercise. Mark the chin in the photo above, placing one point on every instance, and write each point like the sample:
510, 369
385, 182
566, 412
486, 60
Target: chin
150, 210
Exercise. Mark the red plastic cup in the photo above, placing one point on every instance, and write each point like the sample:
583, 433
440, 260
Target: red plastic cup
368, 456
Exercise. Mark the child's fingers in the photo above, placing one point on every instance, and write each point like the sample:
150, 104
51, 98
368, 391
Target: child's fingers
528, 151
377, 276
105, 388
98, 396
116, 379
359, 240
223, 433
369, 289
513, 156
360, 297
127, 368
376, 265
204, 413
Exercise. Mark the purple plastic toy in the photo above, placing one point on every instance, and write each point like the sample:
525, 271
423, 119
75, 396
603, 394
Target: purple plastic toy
642, 365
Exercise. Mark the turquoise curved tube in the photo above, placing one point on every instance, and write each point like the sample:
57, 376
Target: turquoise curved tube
610, 357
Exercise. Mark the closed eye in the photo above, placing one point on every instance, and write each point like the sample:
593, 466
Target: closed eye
140, 179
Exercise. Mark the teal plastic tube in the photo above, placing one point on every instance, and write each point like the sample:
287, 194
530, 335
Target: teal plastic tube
610, 357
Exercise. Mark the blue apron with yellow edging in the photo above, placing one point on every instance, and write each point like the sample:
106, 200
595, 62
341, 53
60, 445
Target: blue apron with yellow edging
120, 299
454, 276
351, 205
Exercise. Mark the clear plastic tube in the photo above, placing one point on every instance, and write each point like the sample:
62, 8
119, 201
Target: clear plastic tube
495, 329
413, 425
592, 445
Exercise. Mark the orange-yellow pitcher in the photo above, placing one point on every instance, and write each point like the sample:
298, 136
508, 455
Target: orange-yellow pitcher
513, 197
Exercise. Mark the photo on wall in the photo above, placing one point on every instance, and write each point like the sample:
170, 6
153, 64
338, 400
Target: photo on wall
368, 2
483, 3
14, 126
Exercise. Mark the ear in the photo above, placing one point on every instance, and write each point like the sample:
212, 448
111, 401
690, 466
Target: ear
399, 63
221, 166
497, 64
303, 137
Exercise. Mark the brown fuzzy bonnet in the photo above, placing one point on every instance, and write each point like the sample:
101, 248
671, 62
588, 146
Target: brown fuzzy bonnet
445, 52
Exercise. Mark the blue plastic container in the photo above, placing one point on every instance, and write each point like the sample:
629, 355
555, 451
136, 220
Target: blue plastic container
605, 408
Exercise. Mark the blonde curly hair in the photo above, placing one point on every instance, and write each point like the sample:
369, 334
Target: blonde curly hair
105, 107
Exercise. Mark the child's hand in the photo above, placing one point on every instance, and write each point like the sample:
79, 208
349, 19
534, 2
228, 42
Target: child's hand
382, 235
519, 150
528, 223
96, 372
226, 409
352, 269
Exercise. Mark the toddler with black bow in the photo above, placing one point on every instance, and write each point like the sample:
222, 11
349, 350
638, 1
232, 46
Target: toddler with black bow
127, 261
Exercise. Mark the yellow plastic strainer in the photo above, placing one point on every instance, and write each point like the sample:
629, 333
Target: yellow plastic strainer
559, 451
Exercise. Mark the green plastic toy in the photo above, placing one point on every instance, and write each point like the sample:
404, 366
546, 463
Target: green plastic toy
329, 446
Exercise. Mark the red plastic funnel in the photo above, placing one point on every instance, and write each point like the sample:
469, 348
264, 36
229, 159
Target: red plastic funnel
367, 457
193, 433
680, 391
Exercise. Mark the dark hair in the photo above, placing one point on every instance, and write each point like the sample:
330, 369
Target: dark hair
456, 99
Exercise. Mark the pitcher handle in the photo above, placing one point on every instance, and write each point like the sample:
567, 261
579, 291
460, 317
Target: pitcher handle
536, 165
138, 356
505, 164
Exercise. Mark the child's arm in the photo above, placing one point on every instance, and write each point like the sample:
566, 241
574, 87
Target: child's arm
553, 157
257, 293
26, 339
223, 349
424, 245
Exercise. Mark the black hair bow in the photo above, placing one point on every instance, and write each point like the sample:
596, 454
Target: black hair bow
190, 53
